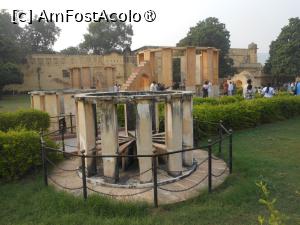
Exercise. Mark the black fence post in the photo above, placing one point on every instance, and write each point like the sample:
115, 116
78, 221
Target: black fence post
220, 135
154, 174
44, 159
209, 166
62, 130
84, 189
230, 151
71, 122
63, 142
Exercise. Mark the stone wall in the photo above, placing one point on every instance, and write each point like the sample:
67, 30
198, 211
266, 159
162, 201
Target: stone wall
245, 59
245, 62
56, 71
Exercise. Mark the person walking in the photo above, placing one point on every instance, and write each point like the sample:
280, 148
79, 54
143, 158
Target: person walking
297, 87
115, 88
153, 86
205, 89
225, 87
248, 90
230, 88
268, 91
234, 88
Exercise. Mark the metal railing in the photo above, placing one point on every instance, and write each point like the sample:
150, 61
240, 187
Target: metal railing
62, 121
218, 144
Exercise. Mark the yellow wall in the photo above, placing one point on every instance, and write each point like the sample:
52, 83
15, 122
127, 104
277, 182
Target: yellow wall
51, 67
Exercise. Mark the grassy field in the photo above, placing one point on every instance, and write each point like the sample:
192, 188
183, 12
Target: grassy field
269, 152
14, 103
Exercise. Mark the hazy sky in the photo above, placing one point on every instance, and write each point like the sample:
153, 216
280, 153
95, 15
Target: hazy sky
258, 21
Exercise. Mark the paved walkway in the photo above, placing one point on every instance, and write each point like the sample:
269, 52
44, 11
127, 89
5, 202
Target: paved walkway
71, 179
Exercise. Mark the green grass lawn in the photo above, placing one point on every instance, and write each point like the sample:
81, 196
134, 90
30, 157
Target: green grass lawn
269, 152
14, 103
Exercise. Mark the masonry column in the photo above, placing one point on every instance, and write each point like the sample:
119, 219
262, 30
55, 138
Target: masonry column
204, 66
80, 78
210, 64
152, 66
215, 81
52, 106
191, 67
144, 137
36, 101
187, 129
86, 133
69, 107
174, 134
109, 138
167, 72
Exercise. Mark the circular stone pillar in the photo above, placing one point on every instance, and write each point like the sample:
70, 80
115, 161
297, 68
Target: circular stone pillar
115, 142
187, 129
144, 137
173, 129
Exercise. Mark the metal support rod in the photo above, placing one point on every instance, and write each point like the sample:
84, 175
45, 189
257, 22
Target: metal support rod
44, 155
154, 173
71, 122
84, 189
220, 136
209, 166
230, 151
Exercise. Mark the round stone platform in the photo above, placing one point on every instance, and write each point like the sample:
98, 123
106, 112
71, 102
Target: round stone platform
180, 190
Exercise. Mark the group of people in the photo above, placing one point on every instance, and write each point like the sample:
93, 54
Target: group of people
229, 89
293, 87
207, 89
249, 91
296, 89
154, 86
268, 91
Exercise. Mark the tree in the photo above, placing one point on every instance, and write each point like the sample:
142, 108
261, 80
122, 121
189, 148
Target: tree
40, 36
9, 39
285, 51
10, 53
73, 51
104, 37
9, 74
211, 33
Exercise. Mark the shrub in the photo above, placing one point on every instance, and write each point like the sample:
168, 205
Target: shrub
244, 114
274, 217
218, 101
20, 153
27, 119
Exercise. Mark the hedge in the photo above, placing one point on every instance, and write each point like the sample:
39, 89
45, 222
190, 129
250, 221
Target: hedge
27, 119
20, 153
217, 101
244, 114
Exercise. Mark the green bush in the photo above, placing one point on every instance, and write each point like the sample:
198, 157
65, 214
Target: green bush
27, 119
284, 93
218, 101
243, 114
20, 153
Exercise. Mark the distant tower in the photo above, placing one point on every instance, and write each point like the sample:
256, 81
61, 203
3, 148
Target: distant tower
252, 51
